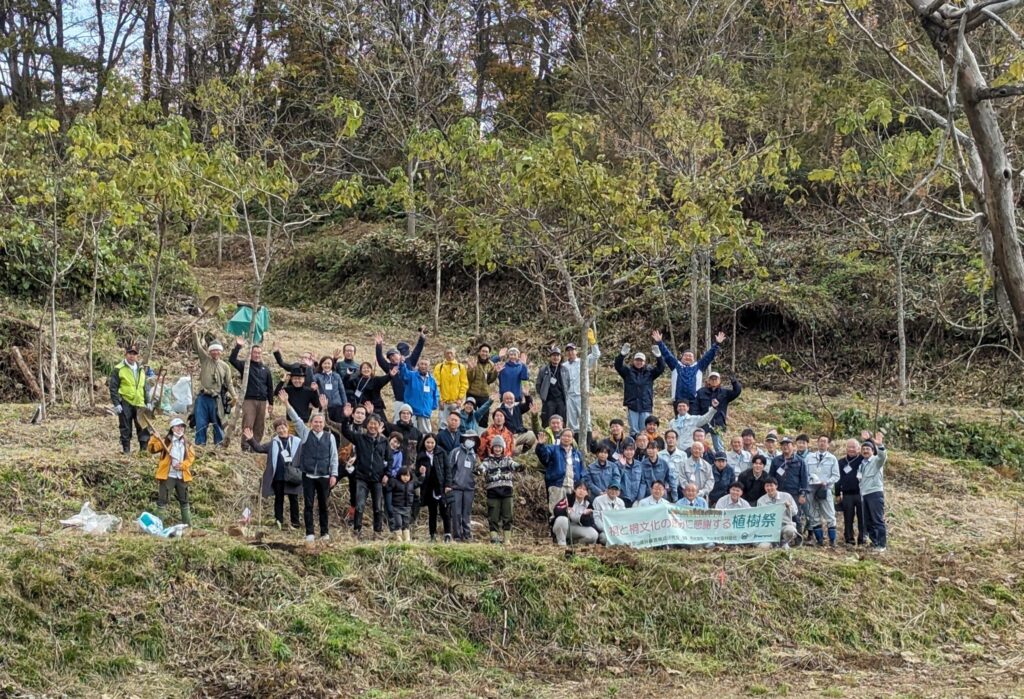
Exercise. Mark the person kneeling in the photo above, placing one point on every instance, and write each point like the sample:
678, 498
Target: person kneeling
574, 519
774, 496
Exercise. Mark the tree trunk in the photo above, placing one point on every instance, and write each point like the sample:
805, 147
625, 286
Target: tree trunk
53, 333
410, 199
694, 298
148, 42
437, 285
664, 309
57, 58
707, 298
236, 413
901, 326
732, 365
220, 244
476, 297
161, 228
92, 313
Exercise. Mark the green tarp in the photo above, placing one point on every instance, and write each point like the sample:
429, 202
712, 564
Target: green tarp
239, 323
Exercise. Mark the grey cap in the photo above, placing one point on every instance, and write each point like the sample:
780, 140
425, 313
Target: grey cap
498, 441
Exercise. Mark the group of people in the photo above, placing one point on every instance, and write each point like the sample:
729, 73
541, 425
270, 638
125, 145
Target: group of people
446, 429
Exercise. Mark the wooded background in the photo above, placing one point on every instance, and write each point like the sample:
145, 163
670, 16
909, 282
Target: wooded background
832, 181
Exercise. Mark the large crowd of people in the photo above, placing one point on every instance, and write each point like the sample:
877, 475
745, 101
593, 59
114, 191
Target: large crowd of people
457, 423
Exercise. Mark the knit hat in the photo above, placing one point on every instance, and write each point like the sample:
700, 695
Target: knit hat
469, 399
404, 408
215, 346
498, 441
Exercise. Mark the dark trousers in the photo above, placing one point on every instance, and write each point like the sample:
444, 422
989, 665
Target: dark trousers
853, 507
351, 491
499, 513
460, 504
206, 415
319, 488
293, 504
129, 418
874, 518
552, 406
376, 492
480, 400
434, 508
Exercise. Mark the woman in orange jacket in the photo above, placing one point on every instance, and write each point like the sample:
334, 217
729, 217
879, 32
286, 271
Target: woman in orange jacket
175, 468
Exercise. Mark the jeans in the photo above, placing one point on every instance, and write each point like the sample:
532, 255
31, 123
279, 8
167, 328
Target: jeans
874, 515
853, 507
461, 504
716, 437
293, 504
319, 488
206, 415
636, 421
376, 492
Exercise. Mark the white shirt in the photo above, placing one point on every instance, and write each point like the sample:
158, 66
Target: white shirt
726, 503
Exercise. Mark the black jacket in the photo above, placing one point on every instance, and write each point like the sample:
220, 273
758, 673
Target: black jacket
723, 395
368, 388
373, 454
433, 480
402, 494
292, 367
753, 488
447, 441
848, 483
638, 384
514, 416
302, 399
261, 383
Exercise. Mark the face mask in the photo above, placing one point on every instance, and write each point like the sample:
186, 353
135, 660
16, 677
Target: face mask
468, 443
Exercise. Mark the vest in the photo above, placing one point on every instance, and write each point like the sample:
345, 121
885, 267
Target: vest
316, 455
132, 387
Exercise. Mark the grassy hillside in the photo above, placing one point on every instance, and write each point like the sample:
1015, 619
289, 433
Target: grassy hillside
229, 613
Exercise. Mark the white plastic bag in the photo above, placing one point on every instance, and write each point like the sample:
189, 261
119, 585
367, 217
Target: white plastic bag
151, 524
91, 522
181, 395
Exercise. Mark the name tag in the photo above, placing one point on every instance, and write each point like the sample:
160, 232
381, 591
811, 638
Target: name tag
287, 458
847, 469
328, 386
553, 380
455, 371
357, 394
426, 389
782, 472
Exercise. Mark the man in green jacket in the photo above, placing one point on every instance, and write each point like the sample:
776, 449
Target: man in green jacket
214, 388
128, 395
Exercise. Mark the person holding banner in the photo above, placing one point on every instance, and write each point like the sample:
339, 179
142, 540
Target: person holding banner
691, 498
610, 500
774, 496
656, 497
734, 500
573, 519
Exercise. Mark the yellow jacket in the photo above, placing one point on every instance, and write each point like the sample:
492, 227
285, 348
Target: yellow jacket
163, 469
452, 381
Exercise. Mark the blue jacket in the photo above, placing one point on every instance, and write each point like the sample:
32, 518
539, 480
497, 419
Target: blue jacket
598, 477
420, 391
511, 378
631, 483
723, 479
686, 376
791, 475
659, 471
638, 384
330, 385
552, 458
398, 382
471, 421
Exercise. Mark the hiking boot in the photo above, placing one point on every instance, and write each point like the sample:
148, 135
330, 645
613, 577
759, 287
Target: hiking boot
433, 539
494, 538
126, 450
447, 538
407, 536
325, 537
310, 538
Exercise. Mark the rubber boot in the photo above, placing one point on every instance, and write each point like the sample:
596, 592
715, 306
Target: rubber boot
186, 515
819, 536
832, 537
506, 537
407, 536
494, 538
161, 512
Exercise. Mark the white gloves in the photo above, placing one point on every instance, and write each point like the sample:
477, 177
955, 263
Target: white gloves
655, 350
118, 409
625, 349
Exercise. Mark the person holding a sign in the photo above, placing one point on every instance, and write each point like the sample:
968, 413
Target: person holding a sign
691, 498
774, 496
281, 477
573, 517
656, 497
734, 500
822, 475
610, 500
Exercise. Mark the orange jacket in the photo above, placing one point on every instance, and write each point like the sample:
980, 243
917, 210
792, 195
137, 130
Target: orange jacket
163, 469
490, 433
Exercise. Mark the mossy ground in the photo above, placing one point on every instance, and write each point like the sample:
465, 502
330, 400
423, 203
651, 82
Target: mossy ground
231, 612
